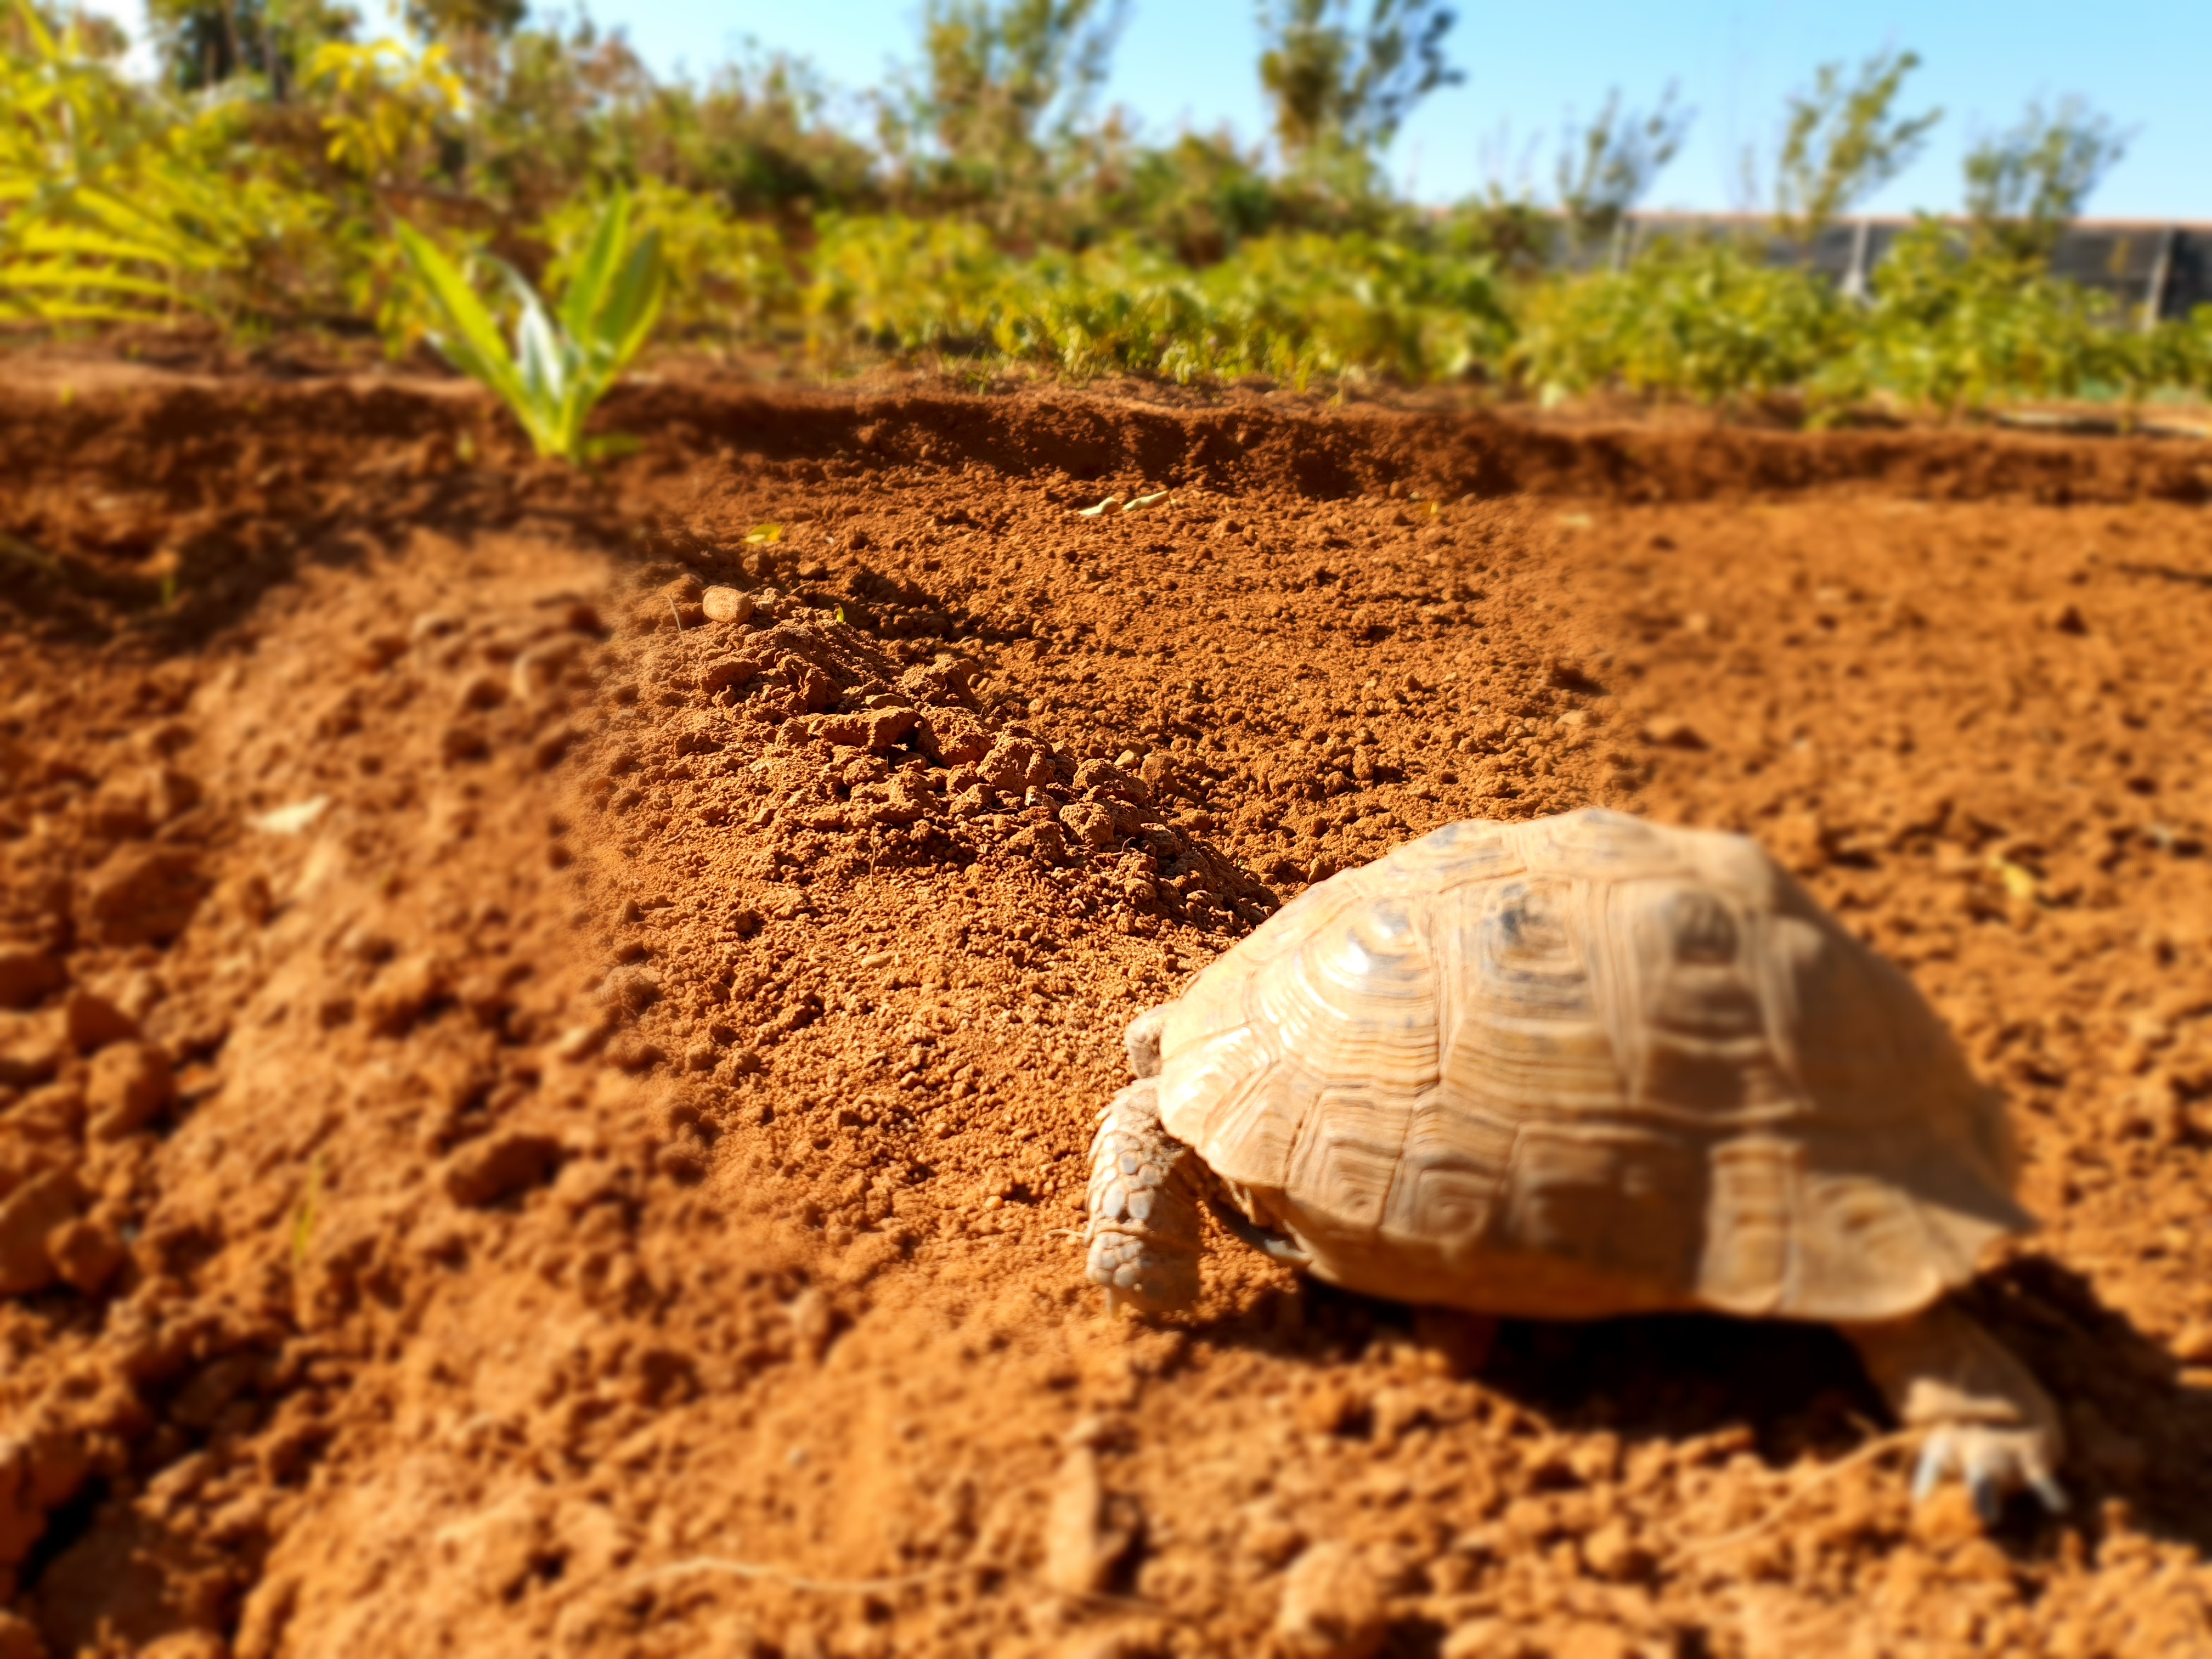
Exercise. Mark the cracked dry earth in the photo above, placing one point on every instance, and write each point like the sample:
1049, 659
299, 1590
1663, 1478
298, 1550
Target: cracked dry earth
552, 1024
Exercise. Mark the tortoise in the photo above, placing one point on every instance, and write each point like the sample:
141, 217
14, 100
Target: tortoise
1576, 1067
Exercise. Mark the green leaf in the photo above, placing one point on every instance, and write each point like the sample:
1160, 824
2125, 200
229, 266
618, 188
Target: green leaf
580, 305
472, 342
558, 369
626, 321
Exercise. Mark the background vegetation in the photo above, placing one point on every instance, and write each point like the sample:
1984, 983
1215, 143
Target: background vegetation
288, 172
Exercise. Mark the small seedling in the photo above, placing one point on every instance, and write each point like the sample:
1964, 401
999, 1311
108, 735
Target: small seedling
557, 372
761, 535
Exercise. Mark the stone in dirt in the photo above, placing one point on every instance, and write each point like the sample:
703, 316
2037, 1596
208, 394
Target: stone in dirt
130, 1084
144, 894
28, 974
30, 1212
726, 605
85, 1253
91, 1021
1080, 1548
1332, 1606
502, 1163
31, 1049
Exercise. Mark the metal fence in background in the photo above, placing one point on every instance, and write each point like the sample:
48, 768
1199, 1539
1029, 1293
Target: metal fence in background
2154, 270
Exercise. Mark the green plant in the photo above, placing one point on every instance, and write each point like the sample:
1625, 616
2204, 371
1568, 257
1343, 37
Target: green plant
558, 371
115, 205
1710, 322
726, 276
1292, 306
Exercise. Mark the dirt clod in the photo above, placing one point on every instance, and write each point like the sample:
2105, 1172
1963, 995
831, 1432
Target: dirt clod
28, 1216
128, 1086
500, 1165
1332, 1606
28, 973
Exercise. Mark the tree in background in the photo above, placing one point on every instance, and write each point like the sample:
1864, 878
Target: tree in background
442, 20
1005, 88
1340, 91
204, 43
1842, 141
2025, 186
1607, 167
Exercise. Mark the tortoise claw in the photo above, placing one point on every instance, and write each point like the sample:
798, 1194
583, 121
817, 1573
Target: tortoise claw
1936, 1458
1994, 1462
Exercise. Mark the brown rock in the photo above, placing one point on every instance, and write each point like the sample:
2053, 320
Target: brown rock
1612, 1551
55, 1112
130, 1084
403, 993
1332, 1607
1088, 824
32, 1047
23, 1518
952, 738
28, 974
91, 1021
1672, 731
874, 729
726, 671
30, 1212
1077, 1560
85, 1253
1042, 842
144, 894
726, 605
1012, 764
1334, 1409
504, 1161
18, 1640
940, 683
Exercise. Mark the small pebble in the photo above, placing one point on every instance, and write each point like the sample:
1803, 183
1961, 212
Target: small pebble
1672, 731
726, 605
1332, 1607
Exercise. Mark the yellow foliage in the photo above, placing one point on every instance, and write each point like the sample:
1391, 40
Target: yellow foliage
387, 99
115, 206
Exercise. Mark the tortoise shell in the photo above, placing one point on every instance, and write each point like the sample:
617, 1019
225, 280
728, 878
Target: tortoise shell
1588, 1066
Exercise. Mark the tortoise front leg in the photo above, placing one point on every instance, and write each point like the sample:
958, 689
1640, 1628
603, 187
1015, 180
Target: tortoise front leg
1143, 1202
1989, 1419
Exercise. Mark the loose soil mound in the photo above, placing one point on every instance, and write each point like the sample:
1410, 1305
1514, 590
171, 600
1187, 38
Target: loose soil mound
549, 1025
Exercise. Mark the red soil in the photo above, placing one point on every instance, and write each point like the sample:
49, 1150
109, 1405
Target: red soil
533, 1119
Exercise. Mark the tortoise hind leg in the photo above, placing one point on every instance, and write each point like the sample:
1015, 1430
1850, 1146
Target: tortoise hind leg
1143, 1202
1987, 1419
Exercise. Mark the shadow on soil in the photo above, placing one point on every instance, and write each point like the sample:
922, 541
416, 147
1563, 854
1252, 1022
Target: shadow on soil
2138, 1433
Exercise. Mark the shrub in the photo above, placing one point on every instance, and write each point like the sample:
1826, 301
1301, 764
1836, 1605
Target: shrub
1293, 307
726, 276
120, 205
1708, 321
1956, 325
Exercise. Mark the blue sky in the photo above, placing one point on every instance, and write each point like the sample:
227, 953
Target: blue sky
1189, 63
